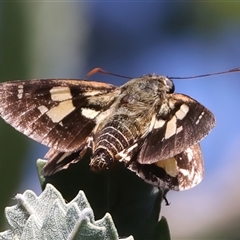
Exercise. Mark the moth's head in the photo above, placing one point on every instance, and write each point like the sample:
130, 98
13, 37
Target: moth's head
163, 82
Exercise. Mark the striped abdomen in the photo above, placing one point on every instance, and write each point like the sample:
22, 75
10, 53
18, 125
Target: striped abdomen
113, 137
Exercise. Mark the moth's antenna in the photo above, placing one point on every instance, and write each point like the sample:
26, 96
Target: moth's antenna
100, 70
209, 74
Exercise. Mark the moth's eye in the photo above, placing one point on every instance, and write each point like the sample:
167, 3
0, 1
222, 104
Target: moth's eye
170, 85
127, 99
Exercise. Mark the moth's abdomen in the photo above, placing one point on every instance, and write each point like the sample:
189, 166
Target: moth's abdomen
113, 137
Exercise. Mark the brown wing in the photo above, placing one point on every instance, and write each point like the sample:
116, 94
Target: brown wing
187, 123
181, 172
59, 113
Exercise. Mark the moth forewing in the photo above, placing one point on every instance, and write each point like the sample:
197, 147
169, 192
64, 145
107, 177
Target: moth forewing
184, 123
56, 112
181, 172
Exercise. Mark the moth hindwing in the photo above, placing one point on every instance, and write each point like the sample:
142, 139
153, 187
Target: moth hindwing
181, 172
142, 123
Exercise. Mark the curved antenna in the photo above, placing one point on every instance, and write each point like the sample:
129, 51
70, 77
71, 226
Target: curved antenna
209, 74
100, 70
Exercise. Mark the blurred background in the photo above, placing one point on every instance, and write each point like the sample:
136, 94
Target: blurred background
67, 39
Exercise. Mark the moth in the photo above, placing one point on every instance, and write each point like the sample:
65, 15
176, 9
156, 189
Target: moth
143, 123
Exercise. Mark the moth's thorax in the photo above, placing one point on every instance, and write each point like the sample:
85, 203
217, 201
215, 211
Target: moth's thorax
138, 101
150, 84
140, 98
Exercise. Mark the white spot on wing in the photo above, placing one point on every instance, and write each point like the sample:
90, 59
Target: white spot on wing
179, 129
60, 93
171, 127
57, 113
20, 91
92, 93
89, 113
169, 165
184, 172
189, 154
158, 123
199, 118
182, 112
132, 147
43, 109
125, 154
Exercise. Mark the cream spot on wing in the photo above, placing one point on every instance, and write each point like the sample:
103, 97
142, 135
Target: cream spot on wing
159, 123
132, 147
182, 112
171, 127
57, 113
189, 154
89, 113
20, 91
184, 172
123, 155
169, 165
199, 118
60, 93
43, 109
127, 159
171, 104
179, 129
92, 93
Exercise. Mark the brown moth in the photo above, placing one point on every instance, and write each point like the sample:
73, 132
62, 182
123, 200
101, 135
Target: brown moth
142, 123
